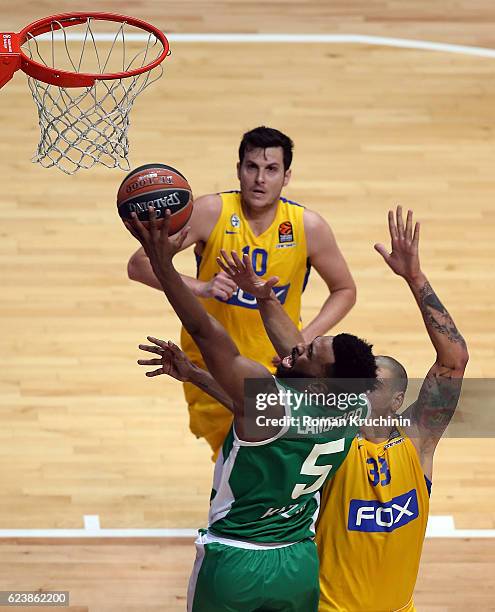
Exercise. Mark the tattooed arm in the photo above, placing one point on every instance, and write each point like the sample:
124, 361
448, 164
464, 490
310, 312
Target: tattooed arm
439, 394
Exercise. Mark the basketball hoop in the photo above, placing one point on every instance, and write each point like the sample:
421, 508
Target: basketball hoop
84, 82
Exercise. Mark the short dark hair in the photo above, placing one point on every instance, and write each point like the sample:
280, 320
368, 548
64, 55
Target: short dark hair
263, 137
353, 359
399, 375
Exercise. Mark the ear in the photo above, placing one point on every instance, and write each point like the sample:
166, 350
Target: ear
287, 176
239, 170
397, 401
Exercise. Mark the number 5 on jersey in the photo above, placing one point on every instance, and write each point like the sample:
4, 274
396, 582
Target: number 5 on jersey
309, 467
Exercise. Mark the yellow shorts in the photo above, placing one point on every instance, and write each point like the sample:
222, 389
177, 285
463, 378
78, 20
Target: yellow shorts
207, 419
333, 606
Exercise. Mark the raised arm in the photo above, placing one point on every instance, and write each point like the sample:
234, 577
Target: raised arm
283, 334
441, 388
220, 353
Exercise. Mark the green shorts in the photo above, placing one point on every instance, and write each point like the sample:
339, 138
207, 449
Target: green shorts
230, 579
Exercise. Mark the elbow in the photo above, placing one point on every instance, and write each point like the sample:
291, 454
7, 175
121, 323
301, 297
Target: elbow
131, 270
464, 357
461, 358
134, 270
352, 295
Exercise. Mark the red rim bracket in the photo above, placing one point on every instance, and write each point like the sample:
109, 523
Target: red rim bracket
10, 56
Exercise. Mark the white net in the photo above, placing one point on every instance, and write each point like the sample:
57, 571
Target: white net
84, 126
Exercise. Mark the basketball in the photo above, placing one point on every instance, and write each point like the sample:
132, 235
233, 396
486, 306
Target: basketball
160, 186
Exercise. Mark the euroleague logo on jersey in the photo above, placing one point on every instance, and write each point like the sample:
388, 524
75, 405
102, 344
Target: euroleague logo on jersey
285, 232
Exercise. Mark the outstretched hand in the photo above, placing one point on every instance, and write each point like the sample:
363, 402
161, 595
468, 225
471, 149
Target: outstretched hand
404, 258
171, 359
158, 245
244, 276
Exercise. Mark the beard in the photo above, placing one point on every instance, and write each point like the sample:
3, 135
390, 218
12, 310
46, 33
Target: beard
290, 373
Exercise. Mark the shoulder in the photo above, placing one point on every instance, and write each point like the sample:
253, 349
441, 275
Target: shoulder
209, 203
206, 212
314, 222
319, 235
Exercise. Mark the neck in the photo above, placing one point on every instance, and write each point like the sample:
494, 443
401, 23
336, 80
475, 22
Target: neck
378, 432
260, 218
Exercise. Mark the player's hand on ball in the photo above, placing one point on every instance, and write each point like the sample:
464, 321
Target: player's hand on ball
220, 286
158, 245
243, 274
404, 258
171, 360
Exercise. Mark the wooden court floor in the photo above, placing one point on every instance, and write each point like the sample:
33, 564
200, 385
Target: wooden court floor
143, 576
82, 432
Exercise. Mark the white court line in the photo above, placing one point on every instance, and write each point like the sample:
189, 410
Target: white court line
404, 43
438, 527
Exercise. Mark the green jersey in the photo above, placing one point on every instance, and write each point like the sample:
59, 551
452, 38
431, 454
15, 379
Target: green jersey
268, 491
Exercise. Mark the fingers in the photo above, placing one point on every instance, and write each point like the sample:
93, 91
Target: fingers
179, 241
174, 349
230, 267
383, 251
153, 225
158, 342
271, 282
222, 290
138, 229
221, 294
225, 280
131, 229
222, 284
248, 264
150, 349
408, 233
148, 362
392, 227
237, 261
155, 372
224, 267
166, 221
400, 222
415, 240
152, 221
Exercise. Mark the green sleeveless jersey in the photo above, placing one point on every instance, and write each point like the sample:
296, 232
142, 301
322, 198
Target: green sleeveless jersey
268, 491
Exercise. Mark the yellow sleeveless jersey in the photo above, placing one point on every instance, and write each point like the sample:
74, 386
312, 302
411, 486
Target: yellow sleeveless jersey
279, 251
371, 528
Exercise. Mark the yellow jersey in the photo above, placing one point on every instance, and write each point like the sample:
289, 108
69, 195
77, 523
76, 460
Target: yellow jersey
371, 528
279, 251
